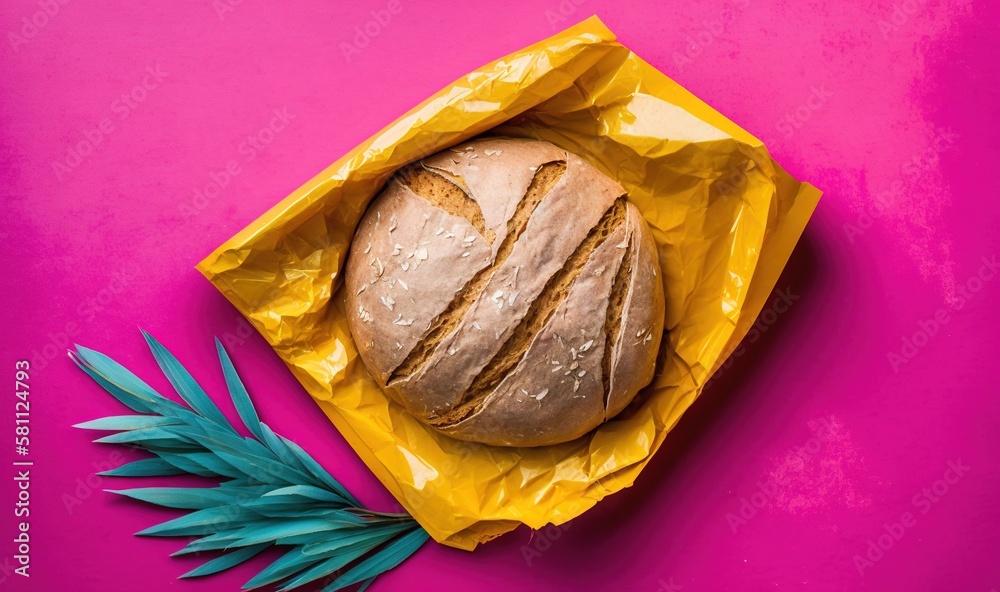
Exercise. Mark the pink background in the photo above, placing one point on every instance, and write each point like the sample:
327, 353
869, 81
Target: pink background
896, 122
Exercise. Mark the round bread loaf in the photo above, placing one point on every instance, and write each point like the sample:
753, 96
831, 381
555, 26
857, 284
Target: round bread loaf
505, 292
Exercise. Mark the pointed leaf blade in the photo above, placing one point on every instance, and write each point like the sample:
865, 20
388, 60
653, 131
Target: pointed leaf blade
184, 498
139, 436
276, 530
203, 464
380, 534
129, 399
385, 559
327, 567
283, 567
238, 393
200, 522
308, 491
319, 472
147, 467
277, 446
184, 383
224, 562
126, 422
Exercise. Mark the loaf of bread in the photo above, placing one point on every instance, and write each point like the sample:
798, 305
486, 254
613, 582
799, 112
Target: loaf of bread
504, 291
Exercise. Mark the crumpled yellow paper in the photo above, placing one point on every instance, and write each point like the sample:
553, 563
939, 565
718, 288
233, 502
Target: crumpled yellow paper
724, 214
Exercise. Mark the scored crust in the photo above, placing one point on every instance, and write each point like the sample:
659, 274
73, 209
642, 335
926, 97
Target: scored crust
505, 292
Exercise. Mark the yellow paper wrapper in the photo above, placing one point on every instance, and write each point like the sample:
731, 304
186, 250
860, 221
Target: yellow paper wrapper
724, 214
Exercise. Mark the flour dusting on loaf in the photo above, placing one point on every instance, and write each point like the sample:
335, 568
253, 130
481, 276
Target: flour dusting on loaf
505, 291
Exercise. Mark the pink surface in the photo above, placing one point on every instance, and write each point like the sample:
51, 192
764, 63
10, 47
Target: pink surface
830, 431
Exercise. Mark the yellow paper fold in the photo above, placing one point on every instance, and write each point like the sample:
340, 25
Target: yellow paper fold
724, 214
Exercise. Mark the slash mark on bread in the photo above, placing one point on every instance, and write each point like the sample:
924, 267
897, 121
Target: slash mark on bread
446, 194
538, 315
544, 179
613, 317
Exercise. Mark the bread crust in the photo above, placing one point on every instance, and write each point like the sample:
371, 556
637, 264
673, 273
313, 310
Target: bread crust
506, 341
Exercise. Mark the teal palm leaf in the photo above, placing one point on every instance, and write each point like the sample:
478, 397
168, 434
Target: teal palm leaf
270, 491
